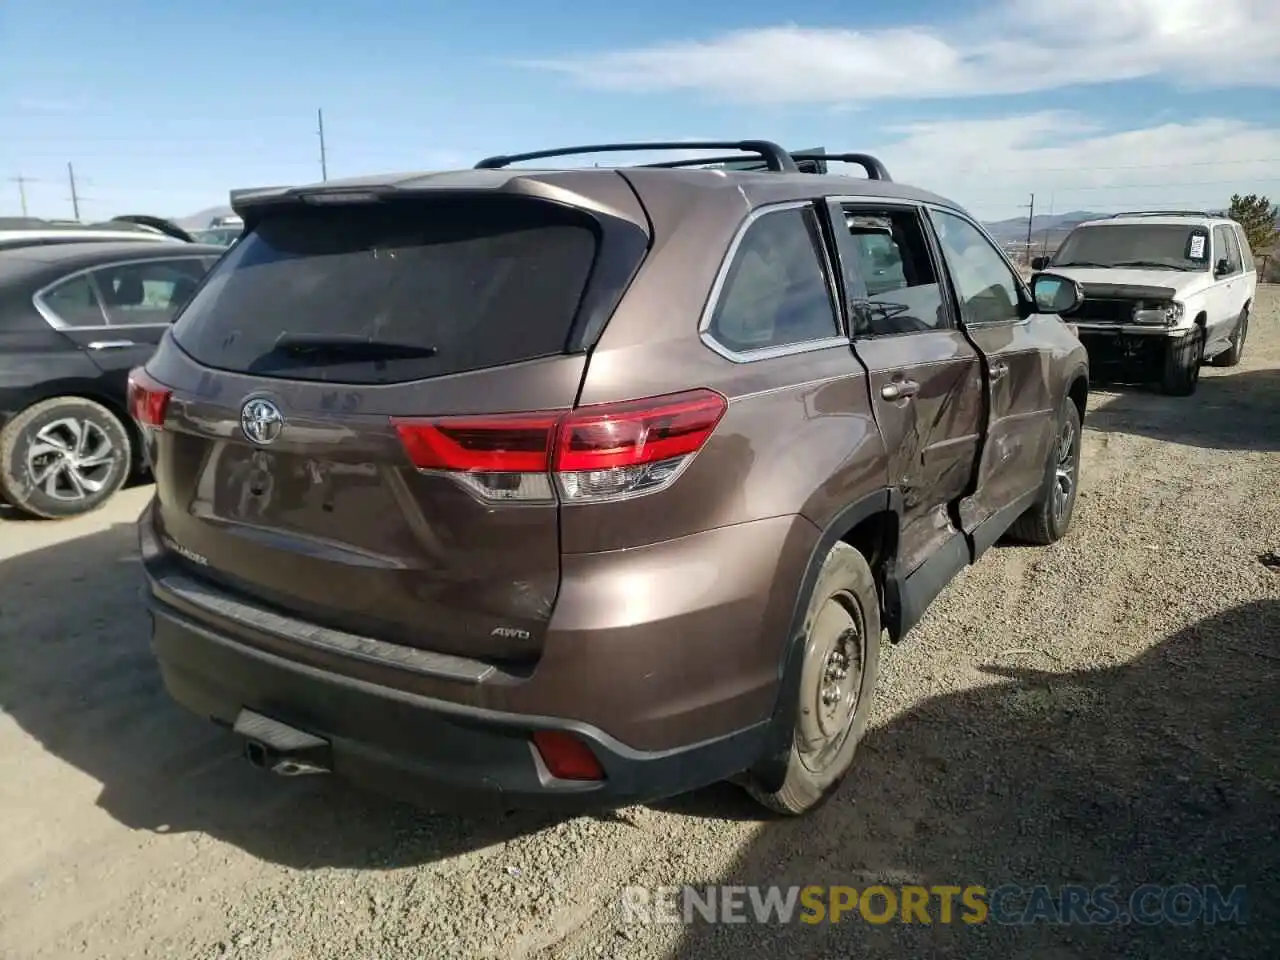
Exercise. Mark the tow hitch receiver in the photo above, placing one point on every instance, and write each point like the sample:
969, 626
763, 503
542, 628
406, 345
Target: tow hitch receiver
280, 748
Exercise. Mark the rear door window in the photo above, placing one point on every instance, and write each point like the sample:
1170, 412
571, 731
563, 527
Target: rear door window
148, 292
892, 264
75, 302
437, 287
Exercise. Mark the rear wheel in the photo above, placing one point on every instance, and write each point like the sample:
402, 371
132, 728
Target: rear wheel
1231, 356
837, 681
1182, 361
63, 457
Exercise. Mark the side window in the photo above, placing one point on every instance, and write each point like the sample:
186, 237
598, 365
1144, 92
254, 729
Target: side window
892, 264
986, 286
776, 291
1246, 252
150, 292
1228, 248
1223, 248
75, 302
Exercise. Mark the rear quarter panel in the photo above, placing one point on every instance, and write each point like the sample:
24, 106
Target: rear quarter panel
798, 437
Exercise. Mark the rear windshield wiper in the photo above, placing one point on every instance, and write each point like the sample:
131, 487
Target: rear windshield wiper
343, 347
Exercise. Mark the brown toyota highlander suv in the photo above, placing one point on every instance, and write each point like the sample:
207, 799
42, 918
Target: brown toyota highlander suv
589, 486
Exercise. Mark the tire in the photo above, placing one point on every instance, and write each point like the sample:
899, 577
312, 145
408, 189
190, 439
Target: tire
1182, 361
1231, 356
39, 471
1049, 518
842, 624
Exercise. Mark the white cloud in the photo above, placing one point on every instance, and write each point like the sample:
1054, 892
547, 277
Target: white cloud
1069, 160
1019, 46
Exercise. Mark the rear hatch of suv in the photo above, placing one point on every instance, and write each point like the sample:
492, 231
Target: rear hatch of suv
358, 406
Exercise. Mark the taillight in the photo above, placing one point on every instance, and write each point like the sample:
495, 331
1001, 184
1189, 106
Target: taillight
600, 452
148, 400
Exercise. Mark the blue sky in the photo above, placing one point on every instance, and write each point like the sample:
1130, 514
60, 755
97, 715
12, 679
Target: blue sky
1091, 104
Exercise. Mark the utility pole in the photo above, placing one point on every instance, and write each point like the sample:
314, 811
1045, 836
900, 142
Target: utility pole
324, 166
1044, 235
22, 182
1031, 215
75, 197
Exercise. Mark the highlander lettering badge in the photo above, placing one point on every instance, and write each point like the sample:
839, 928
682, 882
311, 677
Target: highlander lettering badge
261, 421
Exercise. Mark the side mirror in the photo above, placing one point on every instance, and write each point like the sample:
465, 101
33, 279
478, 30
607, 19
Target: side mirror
1056, 294
1221, 268
1039, 263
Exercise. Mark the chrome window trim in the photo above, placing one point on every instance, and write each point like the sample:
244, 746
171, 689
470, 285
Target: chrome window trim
722, 274
51, 317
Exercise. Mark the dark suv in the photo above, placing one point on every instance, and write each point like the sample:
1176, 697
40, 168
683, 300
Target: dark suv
589, 486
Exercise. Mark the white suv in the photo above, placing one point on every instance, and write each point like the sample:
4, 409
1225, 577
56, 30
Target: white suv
1163, 292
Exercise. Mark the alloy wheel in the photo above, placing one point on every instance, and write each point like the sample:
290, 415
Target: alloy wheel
70, 459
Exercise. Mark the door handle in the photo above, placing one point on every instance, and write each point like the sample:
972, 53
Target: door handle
899, 389
999, 370
111, 344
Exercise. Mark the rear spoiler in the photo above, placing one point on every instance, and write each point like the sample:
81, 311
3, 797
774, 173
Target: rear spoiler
159, 224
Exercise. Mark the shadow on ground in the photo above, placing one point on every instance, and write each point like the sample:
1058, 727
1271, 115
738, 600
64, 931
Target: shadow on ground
1229, 411
77, 674
1165, 770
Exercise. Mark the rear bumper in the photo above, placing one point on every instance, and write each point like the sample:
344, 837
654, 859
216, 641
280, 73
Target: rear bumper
421, 749
665, 703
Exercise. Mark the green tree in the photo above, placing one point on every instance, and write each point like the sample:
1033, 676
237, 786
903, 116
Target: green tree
1258, 217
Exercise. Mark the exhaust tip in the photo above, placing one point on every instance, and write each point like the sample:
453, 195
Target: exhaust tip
256, 753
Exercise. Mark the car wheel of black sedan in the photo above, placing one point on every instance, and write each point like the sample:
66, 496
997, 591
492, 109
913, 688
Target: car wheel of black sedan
63, 457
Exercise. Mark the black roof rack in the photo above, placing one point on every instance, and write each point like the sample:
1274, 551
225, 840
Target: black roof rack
775, 157
1163, 213
875, 169
807, 161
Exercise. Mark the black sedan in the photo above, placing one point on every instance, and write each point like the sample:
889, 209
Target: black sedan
75, 318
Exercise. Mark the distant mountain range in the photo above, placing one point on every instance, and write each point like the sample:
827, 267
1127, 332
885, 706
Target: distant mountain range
202, 219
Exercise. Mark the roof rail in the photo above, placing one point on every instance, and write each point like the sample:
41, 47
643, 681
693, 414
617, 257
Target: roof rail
806, 162
875, 169
1163, 213
775, 158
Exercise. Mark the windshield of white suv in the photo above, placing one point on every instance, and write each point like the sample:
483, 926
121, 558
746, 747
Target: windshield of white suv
1144, 246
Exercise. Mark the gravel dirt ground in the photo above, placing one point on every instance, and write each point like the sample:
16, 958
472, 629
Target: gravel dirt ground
1103, 711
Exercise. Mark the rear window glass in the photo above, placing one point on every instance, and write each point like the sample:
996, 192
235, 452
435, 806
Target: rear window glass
459, 285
